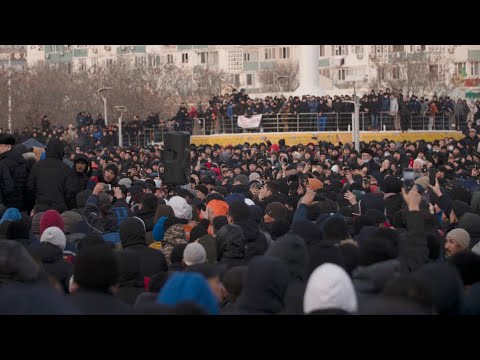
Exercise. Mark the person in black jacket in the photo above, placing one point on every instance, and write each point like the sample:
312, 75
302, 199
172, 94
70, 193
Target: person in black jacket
147, 209
255, 240
48, 178
264, 289
95, 279
13, 173
50, 253
230, 242
132, 238
77, 181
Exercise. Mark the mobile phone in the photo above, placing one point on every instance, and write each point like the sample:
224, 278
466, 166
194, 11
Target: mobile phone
410, 162
432, 175
107, 187
408, 179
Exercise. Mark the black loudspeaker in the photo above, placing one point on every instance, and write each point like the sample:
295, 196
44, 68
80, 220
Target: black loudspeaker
176, 154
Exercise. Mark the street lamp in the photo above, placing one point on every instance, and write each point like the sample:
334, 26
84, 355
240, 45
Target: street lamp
100, 92
122, 109
10, 93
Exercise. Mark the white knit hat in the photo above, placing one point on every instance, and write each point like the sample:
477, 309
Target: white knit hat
54, 236
194, 254
180, 207
329, 287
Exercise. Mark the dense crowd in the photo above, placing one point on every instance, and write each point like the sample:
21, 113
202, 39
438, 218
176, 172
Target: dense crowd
265, 228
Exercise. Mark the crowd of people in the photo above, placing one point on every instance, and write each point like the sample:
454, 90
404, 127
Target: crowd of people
316, 228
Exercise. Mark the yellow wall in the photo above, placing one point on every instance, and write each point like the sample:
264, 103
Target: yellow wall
334, 137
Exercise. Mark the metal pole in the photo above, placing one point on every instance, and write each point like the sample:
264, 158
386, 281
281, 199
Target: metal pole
10, 94
105, 110
120, 136
356, 133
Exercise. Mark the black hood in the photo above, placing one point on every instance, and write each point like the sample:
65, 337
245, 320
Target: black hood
49, 253
471, 223
84, 158
55, 149
373, 278
132, 232
129, 269
309, 231
230, 243
291, 249
446, 285
265, 286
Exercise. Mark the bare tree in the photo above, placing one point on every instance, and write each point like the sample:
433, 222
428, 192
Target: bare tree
421, 73
283, 77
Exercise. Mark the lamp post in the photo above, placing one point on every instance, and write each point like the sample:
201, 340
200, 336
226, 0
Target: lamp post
10, 94
122, 110
100, 92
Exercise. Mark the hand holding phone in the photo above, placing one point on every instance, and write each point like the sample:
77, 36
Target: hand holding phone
408, 179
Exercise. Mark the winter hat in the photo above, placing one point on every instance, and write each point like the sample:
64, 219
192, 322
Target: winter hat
202, 188
54, 236
329, 287
292, 251
315, 184
242, 179
70, 220
391, 184
16, 264
460, 236
460, 208
219, 207
194, 254
335, 228
36, 223
276, 210
188, 287
96, 267
125, 182
254, 176
112, 167
135, 190
423, 181
12, 214
180, 207
468, 265
279, 228
235, 197
372, 201
51, 218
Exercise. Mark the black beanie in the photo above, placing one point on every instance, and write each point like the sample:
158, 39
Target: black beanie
335, 228
177, 253
112, 167
96, 267
460, 208
279, 227
468, 265
374, 250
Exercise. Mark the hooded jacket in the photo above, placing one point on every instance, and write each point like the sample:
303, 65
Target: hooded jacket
48, 177
328, 288
256, 242
230, 243
53, 262
130, 281
13, 168
471, 223
291, 250
132, 239
76, 182
175, 235
265, 287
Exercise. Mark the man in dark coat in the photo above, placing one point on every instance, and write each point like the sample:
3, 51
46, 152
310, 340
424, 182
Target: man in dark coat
95, 277
132, 238
255, 240
77, 180
13, 173
48, 178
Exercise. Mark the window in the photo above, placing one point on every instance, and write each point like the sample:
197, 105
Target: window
82, 64
250, 56
398, 48
153, 60
203, 57
249, 79
213, 58
109, 63
270, 53
140, 61
358, 49
68, 47
237, 80
422, 47
325, 72
460, 68
433, 71
322, 50
169, 58
474, 68
342, 73
284, 52
396, 73
54, 48
94, 64
381, 73
185, 58
340, 50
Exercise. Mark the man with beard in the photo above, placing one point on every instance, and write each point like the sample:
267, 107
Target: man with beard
77, 181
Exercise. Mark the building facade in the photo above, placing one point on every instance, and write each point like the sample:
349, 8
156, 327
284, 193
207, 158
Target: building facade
340, 66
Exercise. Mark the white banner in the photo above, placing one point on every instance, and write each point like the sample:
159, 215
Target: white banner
249, 122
